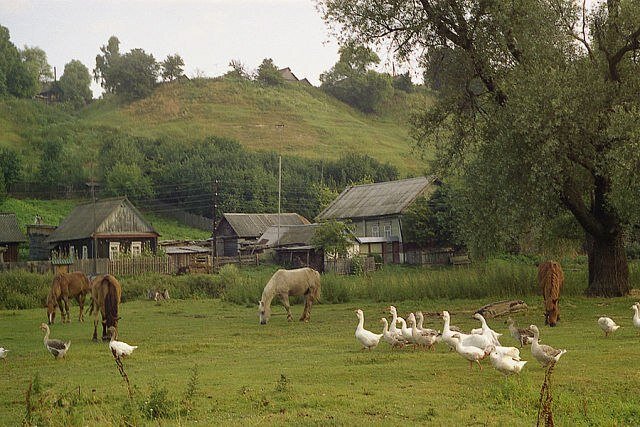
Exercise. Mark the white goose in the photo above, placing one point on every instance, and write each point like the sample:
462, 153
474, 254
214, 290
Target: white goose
119, 348
3, 353
57, 348
368, 339
447, 332
636, 318
503, 363
406, 332
469, 352
524, 336
544, 354
394, 320
607, 325
420, 321
422, 338
392, 339
486, 330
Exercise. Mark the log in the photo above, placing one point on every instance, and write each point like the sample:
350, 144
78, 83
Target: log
501, 308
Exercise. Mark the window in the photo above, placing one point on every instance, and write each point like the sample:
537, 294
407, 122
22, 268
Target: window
375, 231
72, 252
114, 250
387, 230
136, 248
85, 252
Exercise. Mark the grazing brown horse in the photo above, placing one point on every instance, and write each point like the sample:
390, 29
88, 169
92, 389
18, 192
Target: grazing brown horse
105, 298
65, 286
551, 279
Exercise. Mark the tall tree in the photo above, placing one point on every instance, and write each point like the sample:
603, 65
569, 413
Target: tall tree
75, 84
103, 73
268, 73
542, 118
36, 61
352, 81
172, 67
15, 76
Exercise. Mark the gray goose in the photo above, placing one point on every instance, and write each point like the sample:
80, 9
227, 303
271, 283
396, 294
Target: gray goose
57, 348
544, 354
523, 335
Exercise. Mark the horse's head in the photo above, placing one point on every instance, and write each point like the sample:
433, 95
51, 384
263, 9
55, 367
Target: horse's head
264, 312
552, 313
51, 309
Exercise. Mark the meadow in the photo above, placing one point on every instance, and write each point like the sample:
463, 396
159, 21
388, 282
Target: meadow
208, 361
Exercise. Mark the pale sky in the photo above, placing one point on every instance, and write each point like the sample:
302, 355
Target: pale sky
206, 33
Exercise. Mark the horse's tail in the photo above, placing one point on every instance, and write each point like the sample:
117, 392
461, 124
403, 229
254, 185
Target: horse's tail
315, 288
111, 303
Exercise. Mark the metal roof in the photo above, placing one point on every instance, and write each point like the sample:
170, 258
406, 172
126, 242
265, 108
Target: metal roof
381, 198
79, 223
253, 225
9, 230
189, 249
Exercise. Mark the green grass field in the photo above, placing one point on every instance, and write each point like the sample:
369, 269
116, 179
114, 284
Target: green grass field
315, 373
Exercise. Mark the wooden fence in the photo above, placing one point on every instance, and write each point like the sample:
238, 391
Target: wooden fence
432, 257
345, 265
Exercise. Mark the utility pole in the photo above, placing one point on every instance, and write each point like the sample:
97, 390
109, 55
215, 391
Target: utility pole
213, 221
280, 127
92, 184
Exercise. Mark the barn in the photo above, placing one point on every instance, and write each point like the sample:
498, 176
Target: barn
10, 237
117, 226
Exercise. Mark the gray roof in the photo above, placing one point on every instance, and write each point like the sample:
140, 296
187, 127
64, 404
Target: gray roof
187, 249
253, 225
9, 229
289, 235
382, 198
112, 216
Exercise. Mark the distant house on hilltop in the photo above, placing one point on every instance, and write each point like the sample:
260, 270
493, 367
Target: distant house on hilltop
289, 77
239, 232
10, 237
375, 212
119, 228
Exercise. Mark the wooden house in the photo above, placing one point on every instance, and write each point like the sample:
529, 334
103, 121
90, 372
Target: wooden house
375, 214
118, 227
10, 237
237, 233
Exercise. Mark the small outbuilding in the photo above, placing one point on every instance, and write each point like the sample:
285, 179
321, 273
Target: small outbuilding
238, 233
10, 237
117, 226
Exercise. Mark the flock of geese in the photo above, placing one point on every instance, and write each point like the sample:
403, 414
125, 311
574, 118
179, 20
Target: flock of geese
58, 348
474, 346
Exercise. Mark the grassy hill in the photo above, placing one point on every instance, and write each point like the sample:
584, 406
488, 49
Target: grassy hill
316, 125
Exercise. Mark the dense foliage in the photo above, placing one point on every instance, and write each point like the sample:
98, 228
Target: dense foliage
352, 81
537, 113
17, 76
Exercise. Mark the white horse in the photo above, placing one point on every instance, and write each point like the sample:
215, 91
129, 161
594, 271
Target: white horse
302, 281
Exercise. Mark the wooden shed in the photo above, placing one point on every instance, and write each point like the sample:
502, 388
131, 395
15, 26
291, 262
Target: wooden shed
10, 237
237, 233
116, 224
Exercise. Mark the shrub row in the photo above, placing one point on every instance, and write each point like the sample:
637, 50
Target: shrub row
496, 278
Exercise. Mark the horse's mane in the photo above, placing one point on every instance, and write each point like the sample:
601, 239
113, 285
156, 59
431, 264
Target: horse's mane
551, 278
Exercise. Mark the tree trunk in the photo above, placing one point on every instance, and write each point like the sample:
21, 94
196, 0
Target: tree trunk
608, 267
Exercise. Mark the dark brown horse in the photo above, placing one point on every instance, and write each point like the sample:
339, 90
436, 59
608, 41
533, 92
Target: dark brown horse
65, 286
105, 298
551, 279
